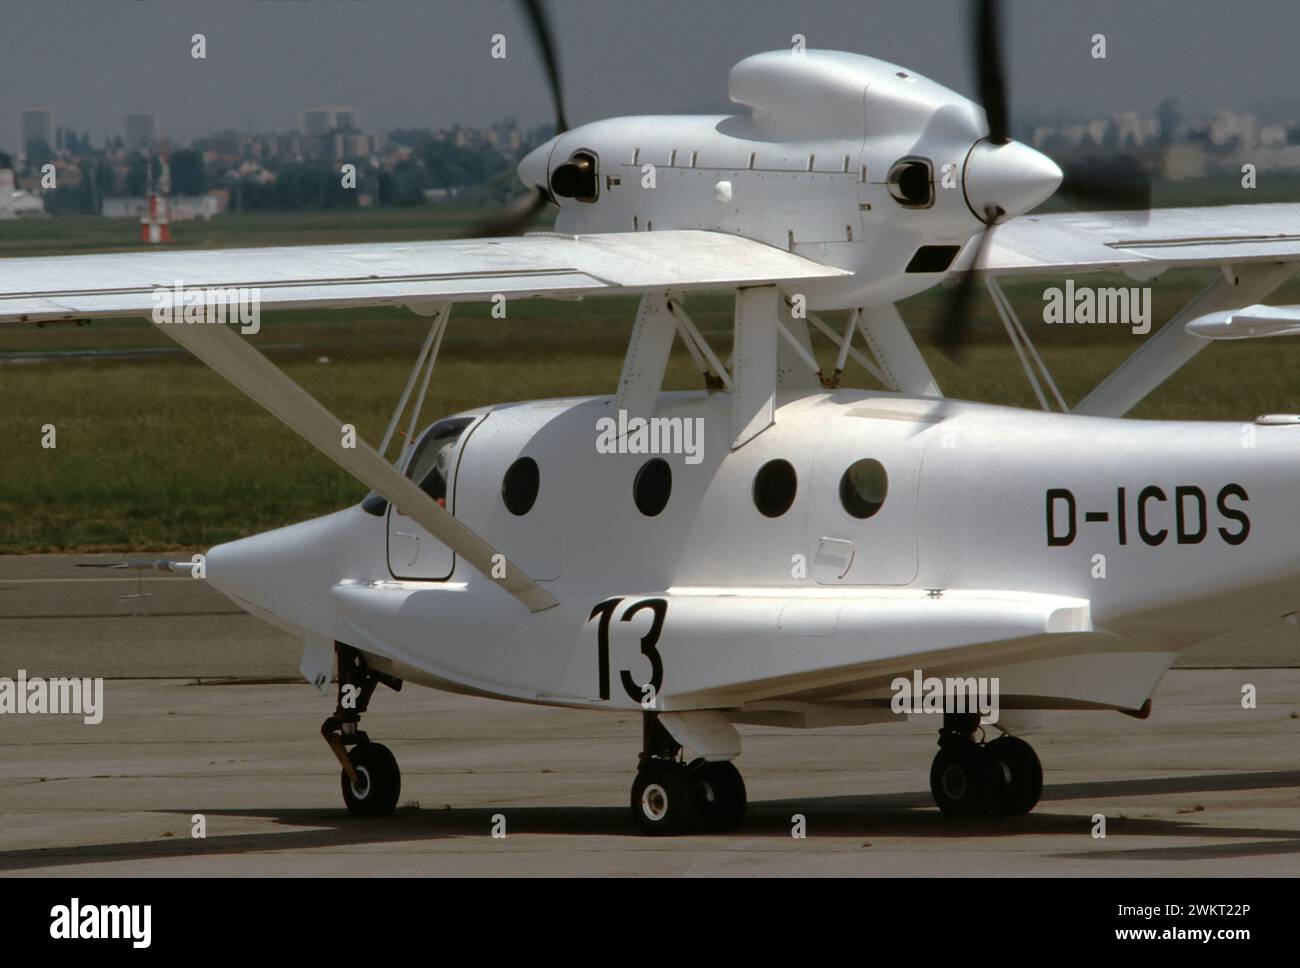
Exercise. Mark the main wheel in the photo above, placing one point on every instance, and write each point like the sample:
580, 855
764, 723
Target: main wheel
1018, 776
723, 800
379, 781
961, 780
665, 801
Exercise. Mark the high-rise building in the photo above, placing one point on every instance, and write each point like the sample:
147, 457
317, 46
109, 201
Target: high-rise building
315, 121
141, 131
322, 120
37, 125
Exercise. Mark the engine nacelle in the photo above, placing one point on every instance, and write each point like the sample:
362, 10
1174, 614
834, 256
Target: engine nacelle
841, 158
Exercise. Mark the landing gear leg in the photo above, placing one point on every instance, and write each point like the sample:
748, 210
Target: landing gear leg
971, 779
671, 797
371, 781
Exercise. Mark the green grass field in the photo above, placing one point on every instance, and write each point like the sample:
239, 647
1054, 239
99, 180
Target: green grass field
158, 452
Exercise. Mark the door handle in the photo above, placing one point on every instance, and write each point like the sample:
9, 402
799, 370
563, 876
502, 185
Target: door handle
415, 538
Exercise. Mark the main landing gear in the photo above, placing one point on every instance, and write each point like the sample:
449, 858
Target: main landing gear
970, 779
672, 797
370, 779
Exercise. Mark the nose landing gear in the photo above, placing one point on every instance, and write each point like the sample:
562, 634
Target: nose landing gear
378, 781
371, 781
970, 779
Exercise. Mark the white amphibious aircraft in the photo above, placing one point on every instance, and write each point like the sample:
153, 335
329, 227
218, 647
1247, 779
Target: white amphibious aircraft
771, 549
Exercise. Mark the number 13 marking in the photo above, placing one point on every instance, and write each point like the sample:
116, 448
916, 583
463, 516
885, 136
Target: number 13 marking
648, 642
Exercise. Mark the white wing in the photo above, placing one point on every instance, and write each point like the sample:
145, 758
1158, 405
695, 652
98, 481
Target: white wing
376, 274
425, 274
1141, 243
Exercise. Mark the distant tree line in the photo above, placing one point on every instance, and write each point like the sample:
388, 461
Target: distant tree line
99, 180
473, 174
469, 174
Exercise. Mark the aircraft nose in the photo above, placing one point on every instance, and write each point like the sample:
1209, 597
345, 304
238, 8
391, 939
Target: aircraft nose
252, 569
284, 576
1010, 179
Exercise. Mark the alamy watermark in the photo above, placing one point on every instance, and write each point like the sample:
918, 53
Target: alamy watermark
213, 304
1089, 305
954, 694
651, 435
54, 697
75, 921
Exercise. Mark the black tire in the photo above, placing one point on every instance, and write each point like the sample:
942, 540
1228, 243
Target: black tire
961, 780
1019, 776
722, 796
382, 781
665, 801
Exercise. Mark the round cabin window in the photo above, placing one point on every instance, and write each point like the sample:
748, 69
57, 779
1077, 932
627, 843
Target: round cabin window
520, 485
653, 485
863, 487
775, 485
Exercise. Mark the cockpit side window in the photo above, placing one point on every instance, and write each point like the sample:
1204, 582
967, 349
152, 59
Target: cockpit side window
430, 465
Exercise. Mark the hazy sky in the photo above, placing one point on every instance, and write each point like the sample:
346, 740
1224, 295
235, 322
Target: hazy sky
428, 63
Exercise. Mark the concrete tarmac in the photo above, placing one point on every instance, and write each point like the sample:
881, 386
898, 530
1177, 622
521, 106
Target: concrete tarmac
203, 716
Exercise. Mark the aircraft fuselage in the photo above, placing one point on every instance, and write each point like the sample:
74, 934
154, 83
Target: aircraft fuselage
1071, 556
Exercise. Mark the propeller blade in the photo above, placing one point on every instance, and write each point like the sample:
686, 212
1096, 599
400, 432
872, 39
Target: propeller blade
514, 219
1118, 182
521, 212
988, 64
953, 325
541, 25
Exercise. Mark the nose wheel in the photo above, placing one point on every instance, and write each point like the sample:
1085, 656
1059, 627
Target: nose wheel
970, 779
370, 780
378, 781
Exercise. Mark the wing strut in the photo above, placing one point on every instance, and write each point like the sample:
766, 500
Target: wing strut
1171, 346
234, 358
432, 342
1021, 342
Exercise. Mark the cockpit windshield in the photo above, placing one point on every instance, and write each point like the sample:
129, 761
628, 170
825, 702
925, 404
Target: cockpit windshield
430, 465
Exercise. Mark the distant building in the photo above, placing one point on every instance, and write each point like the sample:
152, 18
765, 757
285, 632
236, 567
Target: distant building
37, 125
315, 122
183, 207
504, 136
222, 146
318, 121
16, 203
1135, 131
1229, 127
140, 131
